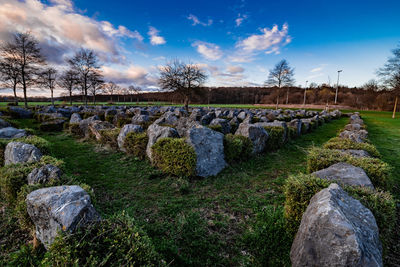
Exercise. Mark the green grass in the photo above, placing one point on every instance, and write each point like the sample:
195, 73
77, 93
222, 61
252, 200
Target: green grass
214, 210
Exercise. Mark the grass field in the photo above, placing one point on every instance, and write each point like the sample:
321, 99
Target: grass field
201, 222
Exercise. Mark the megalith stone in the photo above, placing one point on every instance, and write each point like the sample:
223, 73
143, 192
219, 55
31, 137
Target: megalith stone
17, 152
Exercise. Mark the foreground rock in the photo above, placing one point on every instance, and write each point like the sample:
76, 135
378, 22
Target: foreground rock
346, 174
11, 132
21, 113
209, 148
44, 174
4, 124
257, 134
128, 128
155, 132
59, 208
17, 152
336, 230
96, 126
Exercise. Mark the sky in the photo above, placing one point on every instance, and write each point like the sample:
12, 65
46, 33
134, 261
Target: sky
236, 42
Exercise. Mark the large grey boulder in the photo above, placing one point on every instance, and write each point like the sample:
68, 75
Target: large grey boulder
75, 118
84, 124
257, 134
21, 113
11, 132
353, 127
356, 153
128, 128
336, 230
44, 174
4, 124
225, 125
96, 126
355, 136
209, 148
59, 208
140, 119
17, 152
155, 132
346, 174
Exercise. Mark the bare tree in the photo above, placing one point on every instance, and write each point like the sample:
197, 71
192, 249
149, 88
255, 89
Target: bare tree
182, 78
390, 76
48, 79
134, 90
25, 51
96, 84
9, 72
85, 62
110, 88
371, 85
68, 80
281, 75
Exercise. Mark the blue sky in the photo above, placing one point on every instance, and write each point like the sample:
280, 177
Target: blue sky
236, 42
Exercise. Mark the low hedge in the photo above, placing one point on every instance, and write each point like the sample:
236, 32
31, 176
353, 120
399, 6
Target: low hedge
217, 127
292, 133
136, 143
237, 148
109, 137
299, 190
39, 142
174, 156
276, 137
377, 170
116, 241
346, 143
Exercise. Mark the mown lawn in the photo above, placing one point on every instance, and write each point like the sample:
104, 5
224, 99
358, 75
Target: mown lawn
192, 222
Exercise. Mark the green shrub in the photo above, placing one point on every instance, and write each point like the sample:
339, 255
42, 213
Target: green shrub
174, 156
237, 148
20, 208
217, 127
377, 170
76, 130
37, 141
267, 239
109, 118
345, 143
313, 125
122, 121
116, 241
27, 255
109, 137
3, 144
292, 133
276, 137
304, 129
300, 189
136, 143
234, 127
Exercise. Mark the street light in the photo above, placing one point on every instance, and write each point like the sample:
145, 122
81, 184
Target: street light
305, 92
337, 85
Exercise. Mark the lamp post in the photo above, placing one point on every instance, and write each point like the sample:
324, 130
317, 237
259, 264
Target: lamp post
337, 85
305, 92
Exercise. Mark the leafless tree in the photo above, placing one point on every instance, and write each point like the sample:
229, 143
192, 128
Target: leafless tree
96, 84
68, 80
182, 78
371, 85
25, 53
281, 75
390, 76
85, 62
9, 72
110, 88
134, 90
48, 79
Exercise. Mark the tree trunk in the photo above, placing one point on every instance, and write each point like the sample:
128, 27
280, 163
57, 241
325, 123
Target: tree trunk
395, 108
52, 98
287, 96
70, 97
186, 103
94, 99
277, 98
15, 94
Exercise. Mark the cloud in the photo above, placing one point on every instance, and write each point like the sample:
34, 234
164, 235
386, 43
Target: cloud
316, 69
61, 29
129, 75
155, 39
234, 69
240, 19
231, 76
208, 50
196, 21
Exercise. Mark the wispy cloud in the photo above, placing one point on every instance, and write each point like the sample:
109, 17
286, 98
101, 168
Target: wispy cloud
239, 20
208, 50
196, 21
155, 38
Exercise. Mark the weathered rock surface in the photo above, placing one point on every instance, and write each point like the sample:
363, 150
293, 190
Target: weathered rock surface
59, 208
17, 152
209, 148
155, 132
44, 174
75, 118
128, 128
336, 230
346, 174
21, 113
11, 132
356, 153
257, 134
225, 125
4, 124
96, 126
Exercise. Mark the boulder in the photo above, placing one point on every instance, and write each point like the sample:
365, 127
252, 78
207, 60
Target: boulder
52, 125
336, 230
96, 126
4, 124
209, 148
17, 152
11, 132
128, 128
59, 208
155, 132
353, 127
346, 174
44, 174
75, 118
225, 125
355, 136
84, 124
257, 134
206, 119
21, 113
168, 118
356, 153
140, 119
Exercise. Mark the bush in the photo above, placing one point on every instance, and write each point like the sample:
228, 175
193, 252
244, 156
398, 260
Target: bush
276, 137
345, 143
300, 189
136, 143
237, 148
109, 118
122, 121
39, 142
109, 137
292, 133
377, 170
116, 241
267, 239
76, 130
217, 127
174, 156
